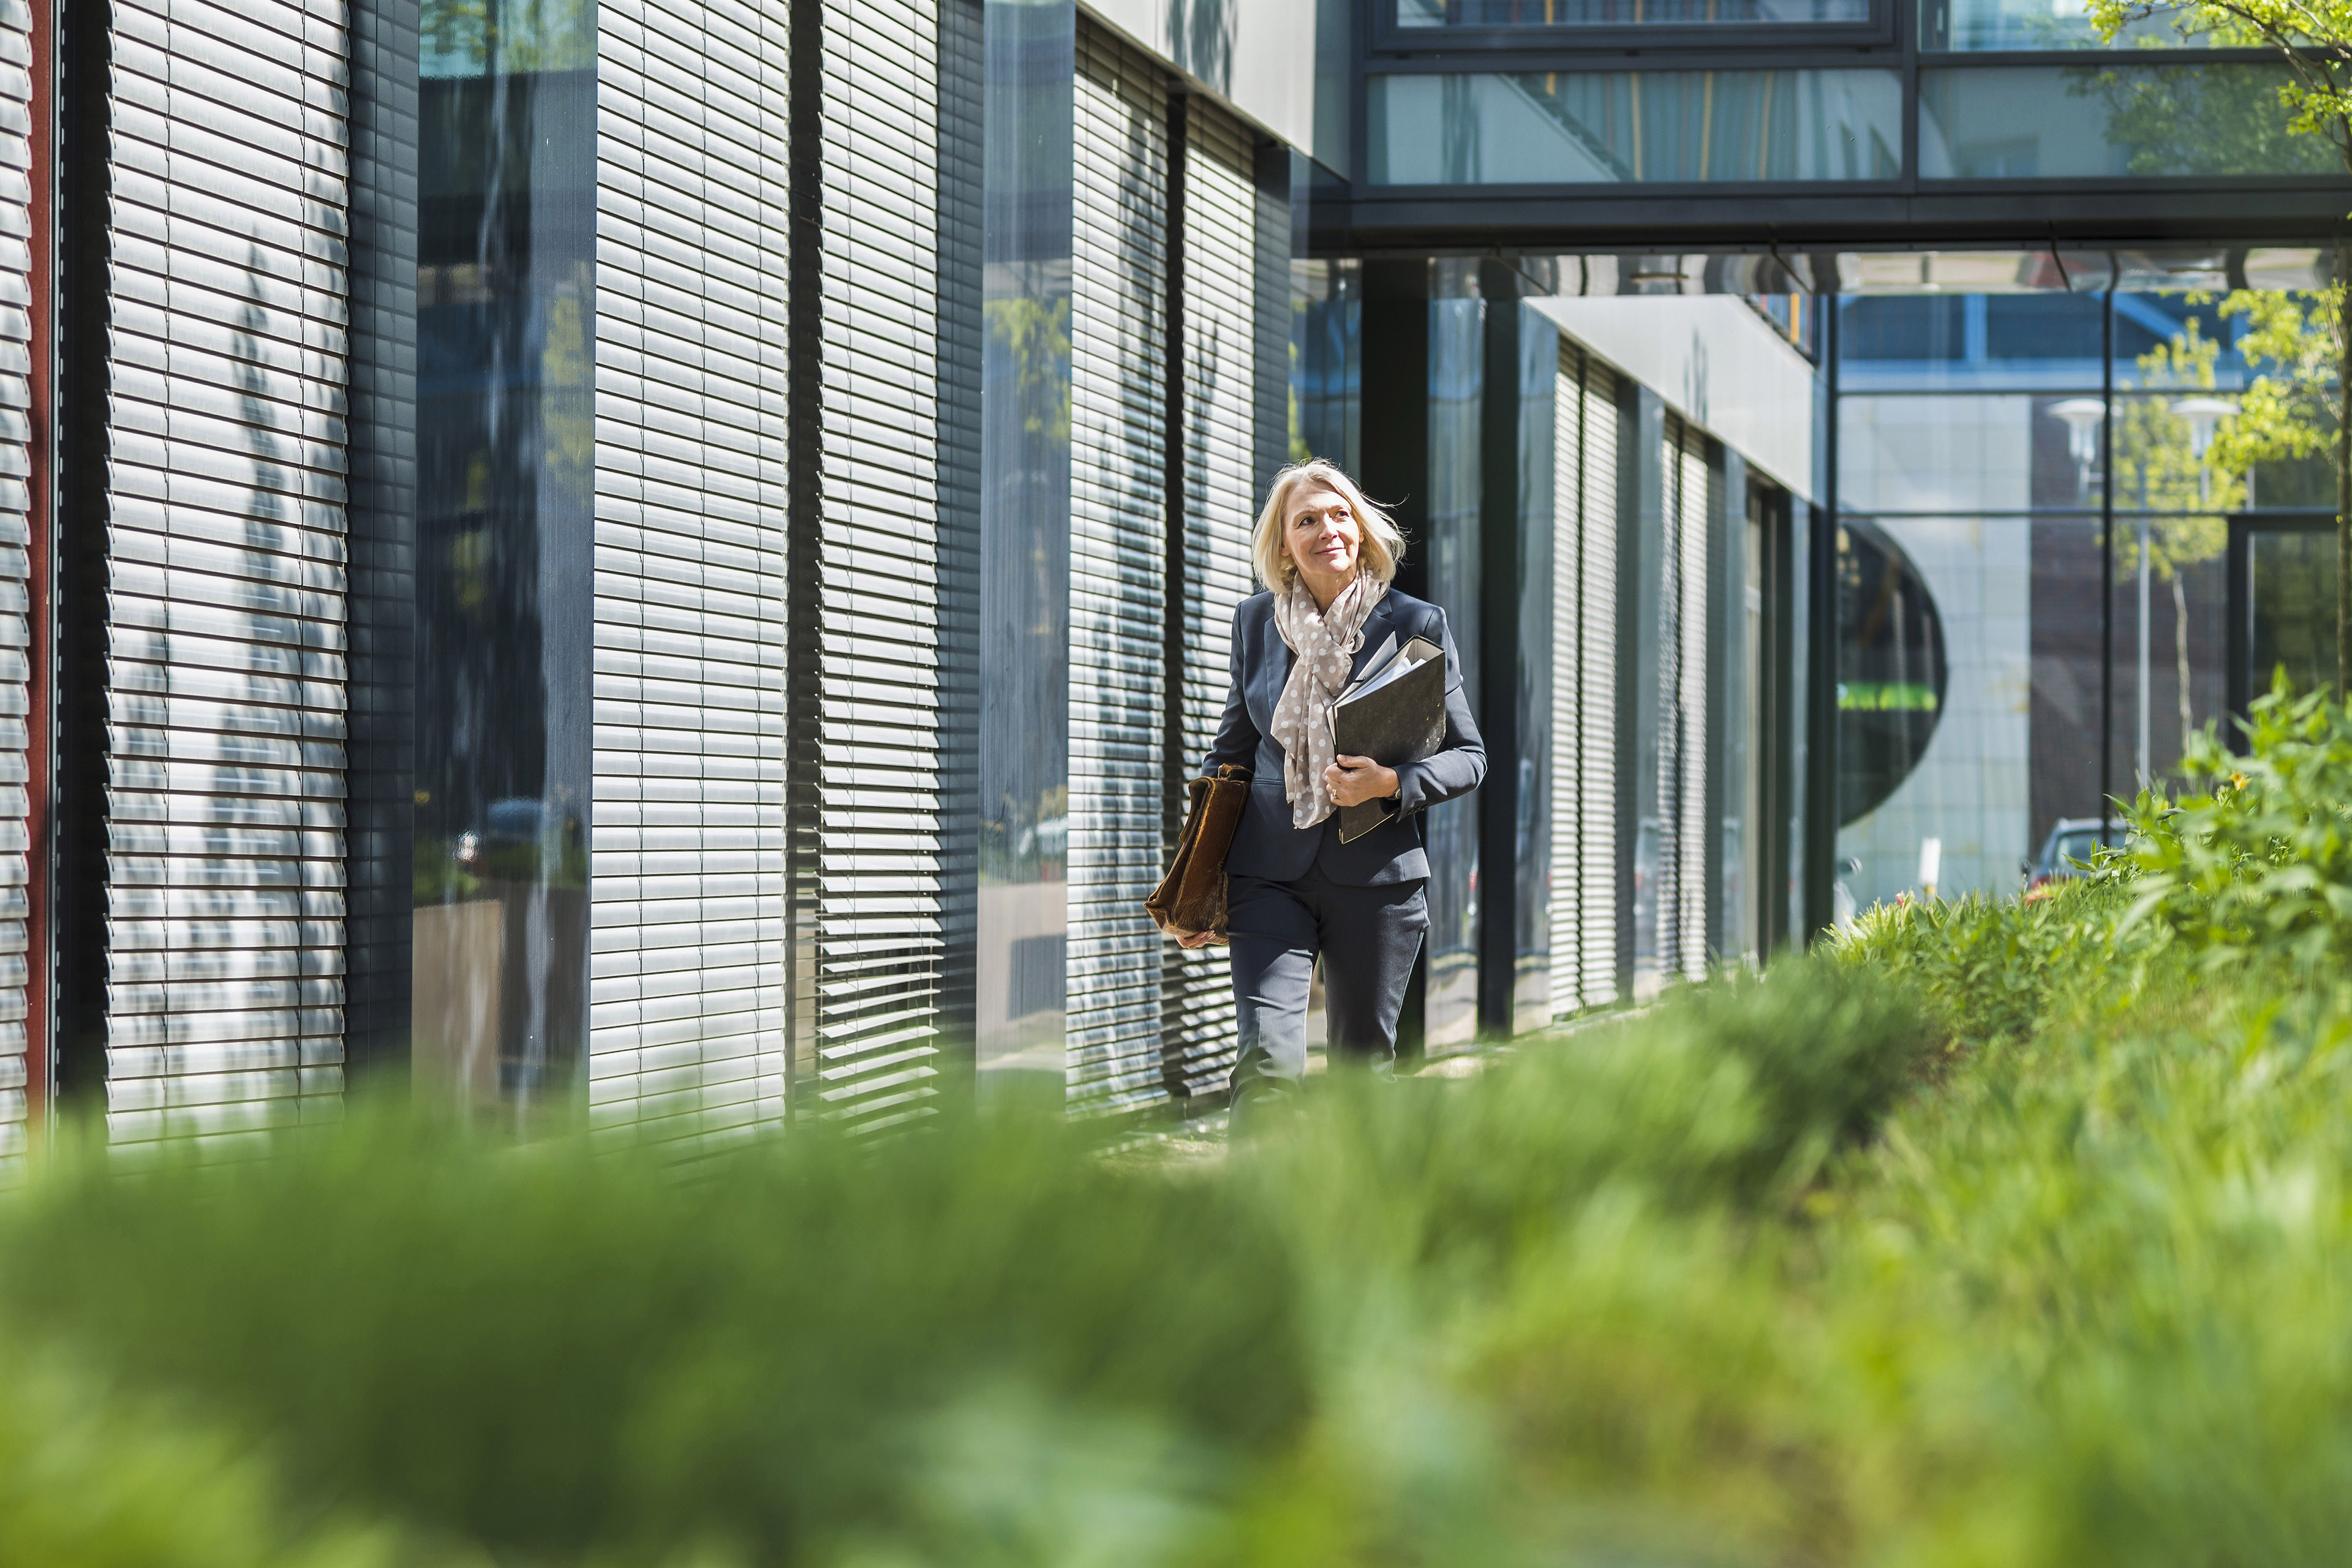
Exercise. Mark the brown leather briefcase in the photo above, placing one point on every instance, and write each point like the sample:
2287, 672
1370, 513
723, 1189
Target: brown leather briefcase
1192, 900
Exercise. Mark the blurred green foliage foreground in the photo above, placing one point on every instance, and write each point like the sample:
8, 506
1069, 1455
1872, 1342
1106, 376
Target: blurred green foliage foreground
2004, 1234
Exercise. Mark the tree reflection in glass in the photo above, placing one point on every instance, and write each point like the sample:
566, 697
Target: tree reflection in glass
504, 539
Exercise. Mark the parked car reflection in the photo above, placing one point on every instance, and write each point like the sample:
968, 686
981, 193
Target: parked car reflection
2070, 850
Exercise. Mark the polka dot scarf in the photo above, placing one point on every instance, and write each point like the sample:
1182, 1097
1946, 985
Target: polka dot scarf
1324, 644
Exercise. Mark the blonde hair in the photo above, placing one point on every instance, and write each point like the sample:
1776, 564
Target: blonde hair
1383, 544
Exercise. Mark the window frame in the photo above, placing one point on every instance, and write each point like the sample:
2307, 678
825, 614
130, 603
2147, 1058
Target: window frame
1583, 64
1387, 37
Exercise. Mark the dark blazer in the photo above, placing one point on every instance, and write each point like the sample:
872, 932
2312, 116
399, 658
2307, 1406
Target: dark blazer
1266, 845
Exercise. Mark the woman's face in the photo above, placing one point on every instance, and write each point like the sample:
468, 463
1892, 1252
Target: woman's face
1323, 537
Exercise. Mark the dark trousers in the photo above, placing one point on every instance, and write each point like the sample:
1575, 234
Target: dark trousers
1369, 938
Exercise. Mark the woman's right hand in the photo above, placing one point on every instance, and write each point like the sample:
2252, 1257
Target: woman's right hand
1198, 939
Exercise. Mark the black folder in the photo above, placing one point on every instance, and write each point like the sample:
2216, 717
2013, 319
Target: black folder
1395, 714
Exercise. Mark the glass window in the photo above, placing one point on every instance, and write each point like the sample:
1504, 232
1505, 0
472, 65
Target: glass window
1625, 13
1934, 669
2100, 121
1906, 328
1967, 452
505, 304
2033, 24
2291, 616
1891, 667
2029, 329
1023, 896
1457, 370
1978, 582
1989, 343
1634, 127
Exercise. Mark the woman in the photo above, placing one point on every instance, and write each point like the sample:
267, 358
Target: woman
1326, 557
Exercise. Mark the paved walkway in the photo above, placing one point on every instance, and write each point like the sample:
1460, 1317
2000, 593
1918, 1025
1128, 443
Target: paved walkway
1202, 1140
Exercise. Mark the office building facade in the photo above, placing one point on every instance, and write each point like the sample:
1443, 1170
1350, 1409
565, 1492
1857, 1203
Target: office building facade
665, 566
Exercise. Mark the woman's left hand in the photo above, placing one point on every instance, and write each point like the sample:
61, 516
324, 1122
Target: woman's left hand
1351, 780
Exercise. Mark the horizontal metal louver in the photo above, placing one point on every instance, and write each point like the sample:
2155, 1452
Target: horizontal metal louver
1598, 771
1222, 305
226, 565
1118, 287
1691, 835
880, 808
688, 967
1672, 735
16, 587
1567, 804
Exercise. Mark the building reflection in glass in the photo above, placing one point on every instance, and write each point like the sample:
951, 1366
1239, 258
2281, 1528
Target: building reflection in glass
1457, 370
1024, 591
504, 547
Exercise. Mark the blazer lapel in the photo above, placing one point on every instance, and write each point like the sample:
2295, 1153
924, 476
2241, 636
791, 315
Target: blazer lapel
1273, 672
1376, 646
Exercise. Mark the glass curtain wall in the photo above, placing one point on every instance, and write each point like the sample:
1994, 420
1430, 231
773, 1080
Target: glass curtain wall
504, 546
1663, 14
1024, 596
1816, 91
2107, 117
1634, 127
1452, 552
2035, 493
1326, 371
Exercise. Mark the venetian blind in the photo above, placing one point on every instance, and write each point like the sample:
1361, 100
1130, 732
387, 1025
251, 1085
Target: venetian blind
15, 630
1588, 788
1219, 434
688, 959
1119, 283
1692, 836
882, 563
1599, 894
224, 673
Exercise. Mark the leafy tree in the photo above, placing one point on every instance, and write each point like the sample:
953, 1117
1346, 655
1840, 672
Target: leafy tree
2314, 37
2289, 409
2215, 119
2158, 471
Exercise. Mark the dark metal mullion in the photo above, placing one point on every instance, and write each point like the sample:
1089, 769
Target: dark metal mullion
1409, 222
1483, 51
803, 535
2135, 182
1907, 37
2025, 237
2237, 632
1501, 412
1385, 38
85, 46
1360, 135
1598, 62
380, 776
1991, 60
1627, 50
1821, 785
2107, 554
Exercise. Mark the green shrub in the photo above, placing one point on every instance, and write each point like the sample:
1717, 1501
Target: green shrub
808, 1345
92, 1478
1731, 1093
1767, 1274
2260, 858
1987, 967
